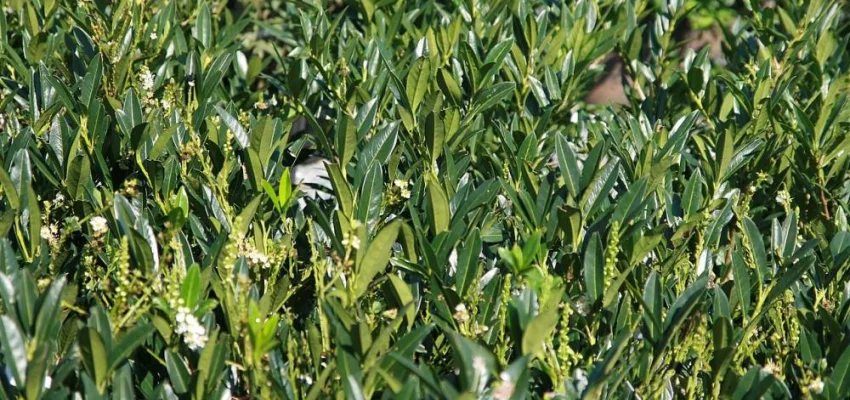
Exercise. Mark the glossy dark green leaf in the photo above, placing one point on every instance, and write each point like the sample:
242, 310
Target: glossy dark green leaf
652, 299
692, 198
468, 266
569, 165
127, 343
346, 139
234, 125
48, 312
94, 354
594, 265
680, 310
190, 288
14, 348
213, 75
78, 176
490, 96
371, 193
91, 82
178, 372
350, 375
203, 26
742, 282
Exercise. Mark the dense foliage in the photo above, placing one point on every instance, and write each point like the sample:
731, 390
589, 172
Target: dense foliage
406, 199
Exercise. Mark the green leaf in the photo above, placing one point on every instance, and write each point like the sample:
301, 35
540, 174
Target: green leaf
178, 372
350, 375
467, 263
233, 124
788, 237
601, 185
35, 381
594, 265
203, 26
495, 59
434, 135
211, 363
404, 297
376, 257
438, 205
449, 86
190, 289
680, 311
48, 313
366, 117
26, 299
678, 135
841, 373
346, 139
214, 74
492, 95
692, 198
369, 204
602, 372
538, 331
742, 283
474, 362
652, 299
725, 149
10, 192
91, 82
131, 115
418, 81
94, 355
569, 165
246, 216
128, 342
341, 189
122, 383
78, 176
14, 349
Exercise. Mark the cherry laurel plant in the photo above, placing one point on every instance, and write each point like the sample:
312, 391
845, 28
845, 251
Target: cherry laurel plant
424, 199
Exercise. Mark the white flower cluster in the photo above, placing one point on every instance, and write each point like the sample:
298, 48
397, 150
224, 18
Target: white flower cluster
49, 233
505, 389
147, 80
194, 334
461, 313
351, 240
256, 257
816, 386
782, 197
98, 225
403, 186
